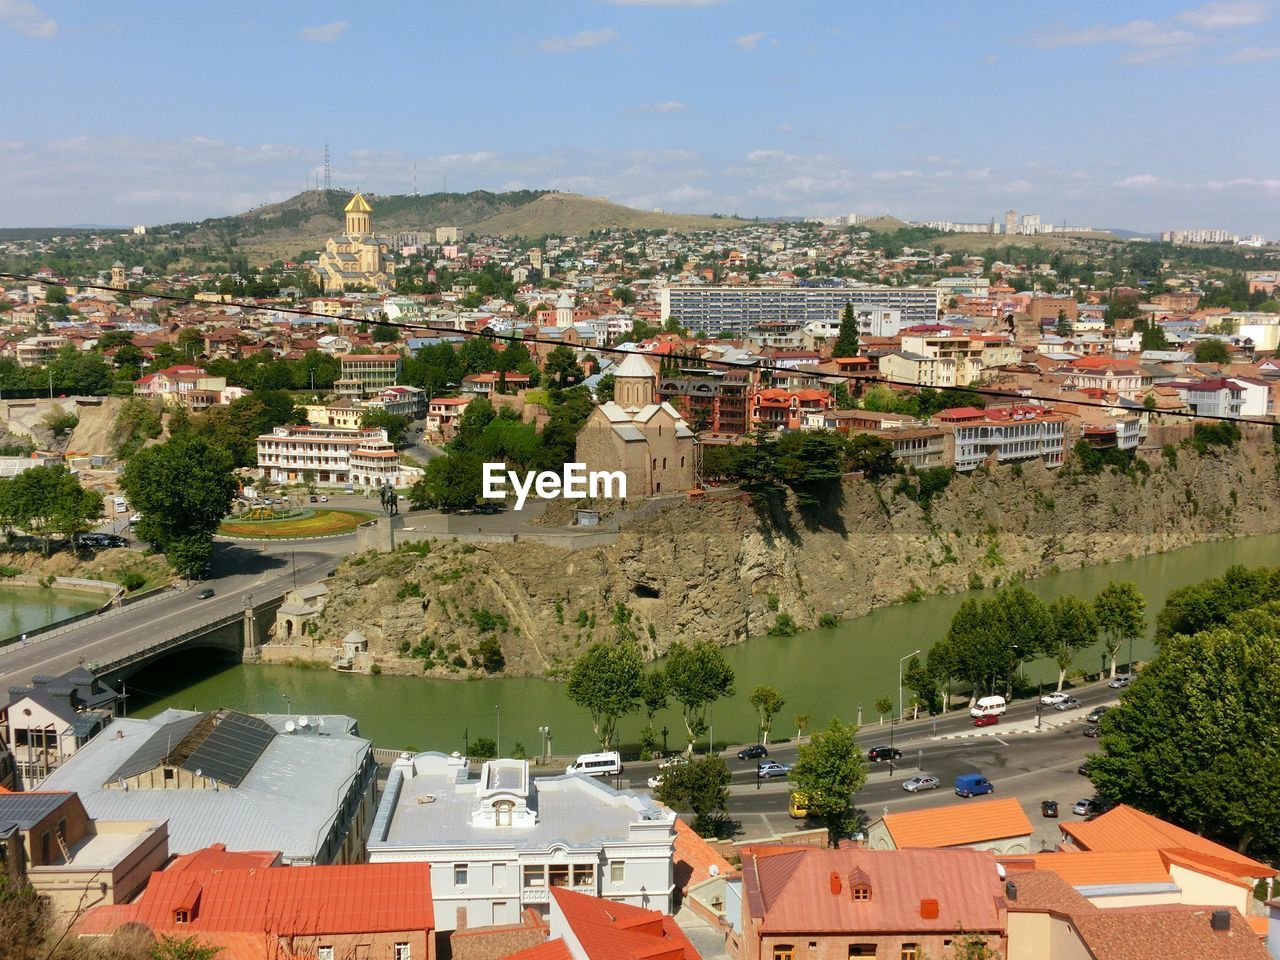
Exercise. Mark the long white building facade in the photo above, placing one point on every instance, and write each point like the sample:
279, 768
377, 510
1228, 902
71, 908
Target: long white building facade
332, 456
734, 310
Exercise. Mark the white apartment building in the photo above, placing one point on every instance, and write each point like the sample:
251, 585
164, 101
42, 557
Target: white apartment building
733, 310
498, 844
1004, 435
35, 351
1215, 398
333, 455
902, 366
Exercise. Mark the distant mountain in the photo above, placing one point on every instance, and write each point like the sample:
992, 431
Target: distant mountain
305, 221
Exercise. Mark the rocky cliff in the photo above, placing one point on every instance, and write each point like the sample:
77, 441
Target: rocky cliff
716, 568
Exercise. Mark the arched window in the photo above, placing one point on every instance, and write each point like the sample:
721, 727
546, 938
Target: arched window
502, 812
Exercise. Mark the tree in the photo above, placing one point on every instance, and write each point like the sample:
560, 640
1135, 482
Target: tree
563, 365
24, 920
700, 786
767, 702
828, 770
171, 948
477, 415
448, 484
918, 679
884, 705
846, 344
653, 694
48, 501
1120, 611
1212, 351
872, 455
55, 293
607, 681
1063, 327
697, 677
396, 425
182, 488
1075, 627
483, 748
801, 721
1194, 739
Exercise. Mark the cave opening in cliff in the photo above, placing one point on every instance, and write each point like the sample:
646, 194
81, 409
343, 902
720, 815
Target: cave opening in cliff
645, 592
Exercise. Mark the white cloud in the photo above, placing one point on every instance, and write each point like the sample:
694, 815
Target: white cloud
325, 32
1252, 55
582, 40
28, 19
668, 106
748, 41
1140, 181
1225, 15
1269, 186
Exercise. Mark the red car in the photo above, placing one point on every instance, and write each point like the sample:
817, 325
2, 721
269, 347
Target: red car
986, 721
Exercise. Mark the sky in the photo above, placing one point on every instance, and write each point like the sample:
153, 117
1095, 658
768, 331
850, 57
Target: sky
1138, 115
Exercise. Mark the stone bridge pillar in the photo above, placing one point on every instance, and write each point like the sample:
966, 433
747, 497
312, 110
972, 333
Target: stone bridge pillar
250, 632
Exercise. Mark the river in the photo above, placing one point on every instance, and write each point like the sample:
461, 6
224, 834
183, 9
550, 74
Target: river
23, 609
821, 673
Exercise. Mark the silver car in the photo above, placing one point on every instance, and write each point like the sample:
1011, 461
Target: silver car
925, 781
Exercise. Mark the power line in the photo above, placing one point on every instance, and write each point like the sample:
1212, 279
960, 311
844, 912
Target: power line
727, 364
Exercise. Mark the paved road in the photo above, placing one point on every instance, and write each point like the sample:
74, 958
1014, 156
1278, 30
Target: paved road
238, 569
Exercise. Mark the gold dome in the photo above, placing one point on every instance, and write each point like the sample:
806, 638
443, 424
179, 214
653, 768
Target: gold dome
357, 204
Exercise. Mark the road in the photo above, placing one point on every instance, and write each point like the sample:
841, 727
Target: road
1028, 765
238, 569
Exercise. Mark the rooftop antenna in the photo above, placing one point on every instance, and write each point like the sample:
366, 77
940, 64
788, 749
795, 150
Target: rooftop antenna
326, 167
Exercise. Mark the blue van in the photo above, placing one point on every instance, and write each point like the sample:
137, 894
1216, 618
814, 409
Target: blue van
973, 785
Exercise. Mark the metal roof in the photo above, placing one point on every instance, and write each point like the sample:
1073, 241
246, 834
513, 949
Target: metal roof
231, 749
25, 810
153, 752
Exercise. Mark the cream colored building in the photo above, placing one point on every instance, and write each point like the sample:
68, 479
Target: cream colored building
357, 258
649, 442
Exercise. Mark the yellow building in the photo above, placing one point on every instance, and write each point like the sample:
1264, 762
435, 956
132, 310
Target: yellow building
356, 258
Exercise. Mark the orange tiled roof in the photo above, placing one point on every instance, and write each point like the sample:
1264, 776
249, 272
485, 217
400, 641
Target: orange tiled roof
551, 950
1166, 930
618, 931
1126, 828
695, 858
981, 820
1101, 867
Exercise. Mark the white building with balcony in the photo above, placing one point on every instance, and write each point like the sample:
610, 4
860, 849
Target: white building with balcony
498, 844
362, 457
1004, 435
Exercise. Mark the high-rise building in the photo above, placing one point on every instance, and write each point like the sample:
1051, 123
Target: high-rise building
734, 310
1010, 222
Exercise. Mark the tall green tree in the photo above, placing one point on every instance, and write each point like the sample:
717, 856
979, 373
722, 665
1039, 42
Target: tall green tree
396, 425
1075, 628
1120, 610
846, 344
182, 489
449, 484
1212, 351
48, 502
767, 701
828, 770
562, 365
608, 682
654, 696
701, 787
697, 676
1195, 741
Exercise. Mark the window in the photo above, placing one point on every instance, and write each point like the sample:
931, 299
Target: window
784, 951
862, 892
862, 950
402, 952
911, 951
535, 875
559, 874
617, 869
502, 810
459, 874
181, 916
583, 875
324, 953
499, 874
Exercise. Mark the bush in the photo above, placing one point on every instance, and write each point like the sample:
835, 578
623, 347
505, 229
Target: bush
491, 655
828, 621
1205, 436
409, 588
784, 626
132, 580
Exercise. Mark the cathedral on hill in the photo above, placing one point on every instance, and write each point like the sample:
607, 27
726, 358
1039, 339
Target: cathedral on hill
356, 258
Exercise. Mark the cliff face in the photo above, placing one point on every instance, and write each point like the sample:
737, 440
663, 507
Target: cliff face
715, 569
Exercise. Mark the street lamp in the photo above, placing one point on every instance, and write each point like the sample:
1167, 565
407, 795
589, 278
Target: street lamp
546, 744
900, 663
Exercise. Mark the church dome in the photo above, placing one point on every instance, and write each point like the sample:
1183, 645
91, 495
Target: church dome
357, 204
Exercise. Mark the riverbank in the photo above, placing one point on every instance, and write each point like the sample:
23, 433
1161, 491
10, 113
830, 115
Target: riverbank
714, 568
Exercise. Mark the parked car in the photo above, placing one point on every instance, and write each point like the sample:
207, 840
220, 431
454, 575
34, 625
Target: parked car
1120, 680
1093, 730
1084, 808
878, 754
986, 720
1096, 714
324, 499
767, 769
925, 781
753, 751
973, 785
1071, 703
115, 540
205, 594
1049, 808
676, 760
656, 780
1083, 769
313, 499
1049, 699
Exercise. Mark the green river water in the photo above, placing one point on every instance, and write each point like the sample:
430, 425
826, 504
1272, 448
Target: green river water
23, 609
821, 673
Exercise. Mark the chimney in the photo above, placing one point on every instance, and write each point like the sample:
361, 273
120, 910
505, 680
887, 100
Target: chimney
1220, 920
929, 909
835, 883
1010, 891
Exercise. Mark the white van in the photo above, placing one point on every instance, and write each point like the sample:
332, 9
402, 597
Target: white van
988, 707
121, 505
596, 765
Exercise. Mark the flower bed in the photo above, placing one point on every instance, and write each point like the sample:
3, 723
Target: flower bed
315, 523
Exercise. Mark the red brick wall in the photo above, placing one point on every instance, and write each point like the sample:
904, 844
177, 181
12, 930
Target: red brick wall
494, 943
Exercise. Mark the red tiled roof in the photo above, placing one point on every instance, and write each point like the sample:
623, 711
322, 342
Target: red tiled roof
359, 898
807, 890
1126, 828
981, 820
1166, 930
551, 950
1103, 867
618, 931
695, 858
218, 857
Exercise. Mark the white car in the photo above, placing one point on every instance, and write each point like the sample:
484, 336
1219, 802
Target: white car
678, 760
1049, 699
925, 781
655, 781
1120, 680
